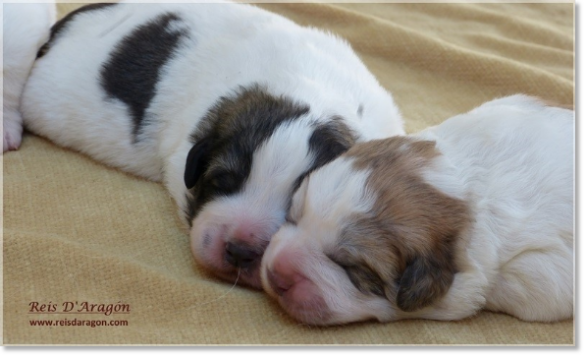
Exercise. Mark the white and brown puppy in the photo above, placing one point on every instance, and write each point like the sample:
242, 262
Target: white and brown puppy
474, 213
25, 28
227, 104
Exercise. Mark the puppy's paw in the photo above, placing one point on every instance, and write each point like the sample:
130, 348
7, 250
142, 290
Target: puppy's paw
12, 131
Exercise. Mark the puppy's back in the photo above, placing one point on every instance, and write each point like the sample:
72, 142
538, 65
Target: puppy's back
516, 157
515, 147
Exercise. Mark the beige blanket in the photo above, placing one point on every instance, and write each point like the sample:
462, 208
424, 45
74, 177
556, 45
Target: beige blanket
75, 230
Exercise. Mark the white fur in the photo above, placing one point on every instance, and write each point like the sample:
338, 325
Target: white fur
229, 45
25, 28
324, 202
512, 161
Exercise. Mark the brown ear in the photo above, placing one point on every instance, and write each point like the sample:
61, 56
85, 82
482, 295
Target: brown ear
425, 279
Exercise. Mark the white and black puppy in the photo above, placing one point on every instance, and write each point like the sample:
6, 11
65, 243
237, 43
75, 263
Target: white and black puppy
474, 213
25, 28
227, 104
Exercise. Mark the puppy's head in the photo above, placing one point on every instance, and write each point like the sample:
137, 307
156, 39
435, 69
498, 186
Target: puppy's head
367, 238
249, 155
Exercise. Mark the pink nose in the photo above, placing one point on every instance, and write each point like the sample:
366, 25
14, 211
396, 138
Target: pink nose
283, 275
279, 284
298, 294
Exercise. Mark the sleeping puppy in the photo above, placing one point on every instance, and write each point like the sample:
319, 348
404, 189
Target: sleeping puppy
25, 28
228, 105
474, 213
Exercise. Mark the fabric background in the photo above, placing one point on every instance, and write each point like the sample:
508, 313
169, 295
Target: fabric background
76, 230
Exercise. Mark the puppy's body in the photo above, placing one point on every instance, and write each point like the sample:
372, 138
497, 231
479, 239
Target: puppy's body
25, 28
474, 213
230, 100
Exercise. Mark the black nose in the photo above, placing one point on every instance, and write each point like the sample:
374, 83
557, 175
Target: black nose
240, 255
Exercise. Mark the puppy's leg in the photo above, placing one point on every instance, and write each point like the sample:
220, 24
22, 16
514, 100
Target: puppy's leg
536, 285
25, 28
12, 126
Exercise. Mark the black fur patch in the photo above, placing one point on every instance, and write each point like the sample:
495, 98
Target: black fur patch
132, 72
329, 140
60, 25
234, 128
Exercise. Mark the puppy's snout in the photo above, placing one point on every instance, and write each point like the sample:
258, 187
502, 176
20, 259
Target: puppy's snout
240, 255
283, 275
279, 283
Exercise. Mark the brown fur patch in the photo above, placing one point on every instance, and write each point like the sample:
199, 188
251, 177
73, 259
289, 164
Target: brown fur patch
404, 247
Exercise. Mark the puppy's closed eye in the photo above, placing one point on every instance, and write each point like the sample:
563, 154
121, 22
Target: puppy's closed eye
365, 279
362, 276
224, 182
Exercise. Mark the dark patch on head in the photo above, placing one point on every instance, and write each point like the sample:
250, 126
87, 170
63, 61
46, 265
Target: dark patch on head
133, 69
233, 129
404, 247
360, 110
60, 25
329, 140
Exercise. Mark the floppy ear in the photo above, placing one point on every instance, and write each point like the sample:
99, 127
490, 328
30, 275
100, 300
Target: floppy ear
197, 162
330, 140
425, 279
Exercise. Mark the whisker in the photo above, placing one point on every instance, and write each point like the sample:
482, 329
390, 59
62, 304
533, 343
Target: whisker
221, 296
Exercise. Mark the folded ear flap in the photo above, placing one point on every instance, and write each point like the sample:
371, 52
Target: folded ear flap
197, 162
425, 279
330, 140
